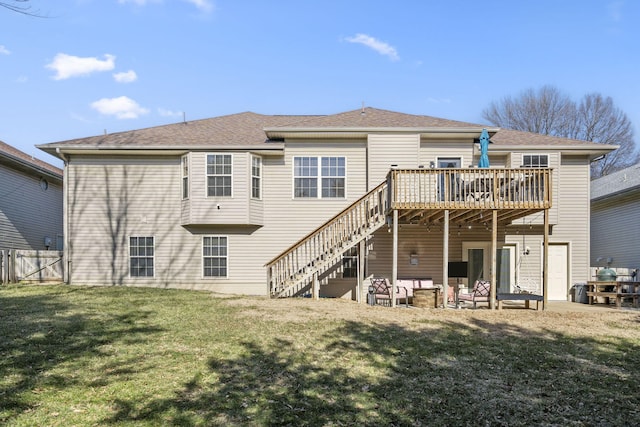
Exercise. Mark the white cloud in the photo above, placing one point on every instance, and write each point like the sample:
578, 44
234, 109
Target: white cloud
4, 50
67, 66
125, 77
205, 6
121, 107
381, 47
22, 79
168, 113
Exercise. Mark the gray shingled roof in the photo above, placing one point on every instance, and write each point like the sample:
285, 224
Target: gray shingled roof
242, 129
248, 130
376, 118
618, 182
13, 155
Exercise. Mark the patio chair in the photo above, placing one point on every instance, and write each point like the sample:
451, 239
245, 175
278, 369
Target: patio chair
382, 291
479, 293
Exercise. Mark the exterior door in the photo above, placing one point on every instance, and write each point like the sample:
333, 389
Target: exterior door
558, 272
478, 256
448, 188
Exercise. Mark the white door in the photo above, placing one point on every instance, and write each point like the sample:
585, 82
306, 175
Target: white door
558, 286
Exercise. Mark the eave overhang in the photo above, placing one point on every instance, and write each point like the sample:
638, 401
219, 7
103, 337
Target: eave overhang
60, 151
30, 168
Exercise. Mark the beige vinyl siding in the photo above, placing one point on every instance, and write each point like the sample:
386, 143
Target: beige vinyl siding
614, 231
290, 218
386, 150
111, 199
571, 208
431, 151
28, 213
427, 243
554, 164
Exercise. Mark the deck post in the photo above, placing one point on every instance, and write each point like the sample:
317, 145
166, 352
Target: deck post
545, 260
445, 260
494, 250
361, 271
316, 286
394, 267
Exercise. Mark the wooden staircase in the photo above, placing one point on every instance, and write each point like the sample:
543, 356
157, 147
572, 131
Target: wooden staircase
292, 272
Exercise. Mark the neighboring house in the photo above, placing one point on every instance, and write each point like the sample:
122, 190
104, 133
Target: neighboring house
30, 202
615, 215
282, 205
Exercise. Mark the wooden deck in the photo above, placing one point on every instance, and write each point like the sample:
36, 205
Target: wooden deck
422, 195
415, 196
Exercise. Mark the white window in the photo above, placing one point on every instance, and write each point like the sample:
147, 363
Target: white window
256, 177
214, 256
330, 178
535, 160
350, 263
219, 174
333, 176
185, 177
141, 254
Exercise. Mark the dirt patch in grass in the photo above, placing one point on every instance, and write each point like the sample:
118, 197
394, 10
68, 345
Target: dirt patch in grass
305, 310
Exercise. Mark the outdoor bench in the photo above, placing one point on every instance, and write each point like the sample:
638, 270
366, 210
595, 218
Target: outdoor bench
526, 297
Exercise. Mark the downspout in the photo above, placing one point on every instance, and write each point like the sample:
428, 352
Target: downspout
65, 218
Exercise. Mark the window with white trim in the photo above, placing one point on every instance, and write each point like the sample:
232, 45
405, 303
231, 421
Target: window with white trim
256, 177
535, 160
330, 177
350, 262
219, 172
185, 177
333, 177
141, 256
214, 256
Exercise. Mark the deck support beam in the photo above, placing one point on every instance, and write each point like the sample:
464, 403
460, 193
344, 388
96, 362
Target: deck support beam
545, 261
315, 284
494, 250
445, 260
394, 268
361, 269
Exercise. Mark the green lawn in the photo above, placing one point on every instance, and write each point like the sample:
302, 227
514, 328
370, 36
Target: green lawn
125, 356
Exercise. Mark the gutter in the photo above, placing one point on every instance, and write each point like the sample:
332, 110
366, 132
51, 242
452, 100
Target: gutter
31, 166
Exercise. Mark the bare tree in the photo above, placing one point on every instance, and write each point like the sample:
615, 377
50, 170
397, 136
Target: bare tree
598, 120
550, 112
20, 6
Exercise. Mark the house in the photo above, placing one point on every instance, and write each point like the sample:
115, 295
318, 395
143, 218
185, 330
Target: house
30, 202
292, 205
615, 214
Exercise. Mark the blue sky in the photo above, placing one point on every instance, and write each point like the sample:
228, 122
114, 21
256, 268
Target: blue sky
93, 66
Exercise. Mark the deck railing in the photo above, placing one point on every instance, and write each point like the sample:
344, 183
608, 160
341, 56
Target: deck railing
522, 188
326, 244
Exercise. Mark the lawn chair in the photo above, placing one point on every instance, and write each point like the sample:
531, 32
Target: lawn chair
382, 291
479, 293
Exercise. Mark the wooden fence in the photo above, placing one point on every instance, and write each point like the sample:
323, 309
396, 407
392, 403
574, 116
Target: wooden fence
31, 266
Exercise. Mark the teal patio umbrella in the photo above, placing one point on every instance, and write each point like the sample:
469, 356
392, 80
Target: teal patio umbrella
484, 148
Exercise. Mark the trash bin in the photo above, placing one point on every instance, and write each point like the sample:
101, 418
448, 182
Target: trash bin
580, 291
